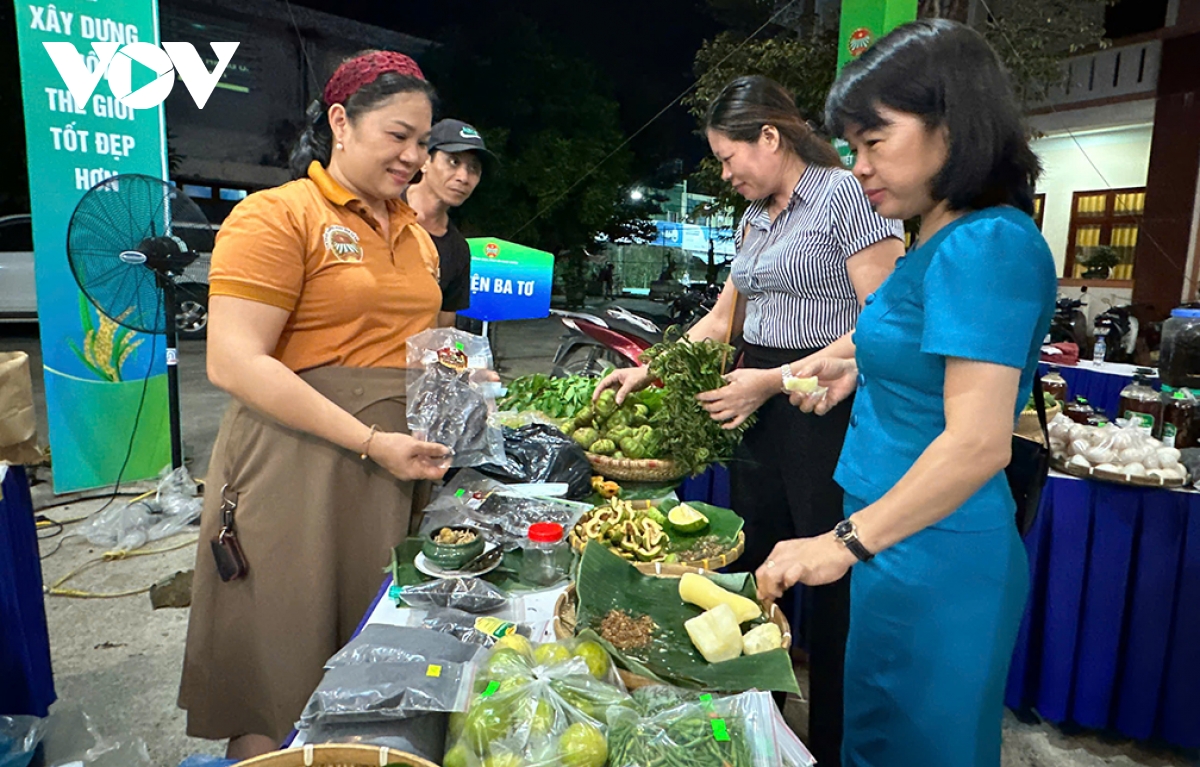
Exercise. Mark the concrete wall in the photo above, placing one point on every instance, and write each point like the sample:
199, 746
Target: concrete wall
1108, 158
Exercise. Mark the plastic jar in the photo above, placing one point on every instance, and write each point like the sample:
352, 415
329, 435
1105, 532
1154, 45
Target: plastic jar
1055, 385
1142, 406
545, 555
1180, 409
1179, 357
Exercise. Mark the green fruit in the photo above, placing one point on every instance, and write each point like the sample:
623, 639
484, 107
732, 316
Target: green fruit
457, 757
458, 720
685, 519
551, 654
507, 662
542, 721
516, 642
657, 516
603, 447
606, 405
582, 745
486, 723
503, 760
595, 657
585, 437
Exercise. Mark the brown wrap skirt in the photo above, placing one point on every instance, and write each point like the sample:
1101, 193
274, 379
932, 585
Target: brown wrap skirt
317, 526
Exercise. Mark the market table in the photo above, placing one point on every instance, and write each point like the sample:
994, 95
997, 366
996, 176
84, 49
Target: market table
1111, 630
28, 687
1100, 383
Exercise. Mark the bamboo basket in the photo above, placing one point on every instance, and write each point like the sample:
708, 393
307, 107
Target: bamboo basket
1030, 428
629, 470
1059, 464
334, 755
564, 615
724, 559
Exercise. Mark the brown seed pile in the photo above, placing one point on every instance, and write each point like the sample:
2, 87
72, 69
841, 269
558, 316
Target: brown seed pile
625, 632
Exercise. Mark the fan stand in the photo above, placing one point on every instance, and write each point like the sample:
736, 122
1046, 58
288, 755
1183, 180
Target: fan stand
171, 308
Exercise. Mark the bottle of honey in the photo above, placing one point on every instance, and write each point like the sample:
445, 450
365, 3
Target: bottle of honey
1180, 426
1055, 385
1080, 411
1141, 405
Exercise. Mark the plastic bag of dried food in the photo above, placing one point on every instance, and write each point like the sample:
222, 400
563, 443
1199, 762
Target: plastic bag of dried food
542, 453
735, 731
471, 595
370, 692
449, 402
378, 643
537, 706
504, 518
481, 630
424, 735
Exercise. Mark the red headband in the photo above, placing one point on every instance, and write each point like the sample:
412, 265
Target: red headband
361, 70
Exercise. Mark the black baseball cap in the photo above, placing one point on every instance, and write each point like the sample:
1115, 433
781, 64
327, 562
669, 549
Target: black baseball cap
457, 136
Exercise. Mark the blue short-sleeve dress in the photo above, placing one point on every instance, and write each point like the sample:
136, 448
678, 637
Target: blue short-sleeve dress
935, 617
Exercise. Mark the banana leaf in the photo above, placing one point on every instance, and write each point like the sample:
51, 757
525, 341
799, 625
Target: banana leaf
723, 523
606, 582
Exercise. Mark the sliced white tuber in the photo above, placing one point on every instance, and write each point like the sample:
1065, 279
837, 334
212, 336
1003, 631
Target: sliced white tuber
1079, 462
1134, 470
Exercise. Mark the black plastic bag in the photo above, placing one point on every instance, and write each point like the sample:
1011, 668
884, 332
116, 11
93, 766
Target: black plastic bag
541, 453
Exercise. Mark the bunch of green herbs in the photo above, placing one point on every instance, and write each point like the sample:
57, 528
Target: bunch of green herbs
686, 368
554, 397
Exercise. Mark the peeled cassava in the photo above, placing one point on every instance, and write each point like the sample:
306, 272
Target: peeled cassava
700, 591
715, 634
762, 638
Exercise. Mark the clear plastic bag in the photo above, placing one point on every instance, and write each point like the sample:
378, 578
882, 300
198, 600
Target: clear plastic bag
538, 706
423, 736
175, 505
734, 731
19, 739
470, 595
480, 502
378, 643
371, 692
450, 402
480, 630
542, 453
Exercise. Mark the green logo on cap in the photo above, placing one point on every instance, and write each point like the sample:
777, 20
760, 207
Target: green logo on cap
468, 132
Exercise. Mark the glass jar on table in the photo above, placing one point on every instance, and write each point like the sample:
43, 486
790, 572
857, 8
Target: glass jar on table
545, 556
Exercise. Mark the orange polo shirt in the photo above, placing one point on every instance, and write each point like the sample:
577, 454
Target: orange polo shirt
310, 247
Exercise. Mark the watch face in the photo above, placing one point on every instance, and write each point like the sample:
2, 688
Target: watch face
843, 528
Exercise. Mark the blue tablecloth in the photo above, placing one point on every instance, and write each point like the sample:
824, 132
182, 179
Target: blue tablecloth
1102, 390
27, 688
1111, 635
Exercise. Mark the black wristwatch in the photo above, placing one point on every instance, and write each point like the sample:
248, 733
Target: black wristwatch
847, 533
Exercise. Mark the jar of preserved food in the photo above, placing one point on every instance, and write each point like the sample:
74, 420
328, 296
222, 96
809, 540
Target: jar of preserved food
1054, 384
1141, 405
1080, 411
1180, 427
1179, 356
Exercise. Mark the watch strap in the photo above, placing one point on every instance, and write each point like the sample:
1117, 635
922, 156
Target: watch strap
848, 535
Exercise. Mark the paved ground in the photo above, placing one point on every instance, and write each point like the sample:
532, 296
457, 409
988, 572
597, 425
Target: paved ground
118, 661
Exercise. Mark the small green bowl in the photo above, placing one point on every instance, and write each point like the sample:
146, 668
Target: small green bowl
452, 556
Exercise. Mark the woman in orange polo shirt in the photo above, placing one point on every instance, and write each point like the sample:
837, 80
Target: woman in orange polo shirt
315, 287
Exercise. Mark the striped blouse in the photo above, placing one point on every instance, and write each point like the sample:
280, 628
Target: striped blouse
793, 270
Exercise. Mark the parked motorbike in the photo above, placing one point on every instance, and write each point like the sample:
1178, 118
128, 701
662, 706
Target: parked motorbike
1070, 325
1118, 329
613, 338
693, 305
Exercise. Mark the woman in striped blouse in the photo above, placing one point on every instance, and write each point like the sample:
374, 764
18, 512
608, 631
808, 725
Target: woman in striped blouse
810, 250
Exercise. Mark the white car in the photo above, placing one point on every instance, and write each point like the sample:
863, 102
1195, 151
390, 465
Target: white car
18, 295
18, 298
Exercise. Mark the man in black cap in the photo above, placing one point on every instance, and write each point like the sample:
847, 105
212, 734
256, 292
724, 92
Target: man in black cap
455, 167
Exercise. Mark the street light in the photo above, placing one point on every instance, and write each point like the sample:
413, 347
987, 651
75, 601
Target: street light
636, 195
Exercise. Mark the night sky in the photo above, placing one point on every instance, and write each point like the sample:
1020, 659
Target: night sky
644, 48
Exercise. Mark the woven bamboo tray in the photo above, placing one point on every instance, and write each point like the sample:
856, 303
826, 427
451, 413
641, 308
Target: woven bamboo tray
333, 755
724, 559
1030, 428
1118, 479
564, 615
649, 470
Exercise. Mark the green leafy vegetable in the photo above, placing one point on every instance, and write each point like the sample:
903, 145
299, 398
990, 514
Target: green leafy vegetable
555, 397
688, 433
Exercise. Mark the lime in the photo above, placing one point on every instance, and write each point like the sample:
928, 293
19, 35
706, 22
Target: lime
543, 718
516, 642
457, 757
551, 654
486, 722
595, 657
457, 720
685, 519
582, 745
503, 760
506, 662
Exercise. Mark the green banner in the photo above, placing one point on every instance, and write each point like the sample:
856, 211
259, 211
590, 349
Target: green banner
865, 21
100, 378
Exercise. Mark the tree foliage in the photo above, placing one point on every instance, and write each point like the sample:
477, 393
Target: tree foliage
550, 118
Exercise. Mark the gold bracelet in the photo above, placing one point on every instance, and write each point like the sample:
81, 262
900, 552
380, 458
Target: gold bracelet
367, 445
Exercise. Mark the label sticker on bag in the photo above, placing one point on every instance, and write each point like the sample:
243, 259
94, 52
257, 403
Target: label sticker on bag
434, 670
494, 626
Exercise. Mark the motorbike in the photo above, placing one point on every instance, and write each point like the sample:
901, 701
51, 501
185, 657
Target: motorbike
614, 337
694, 304
1070, 325
1119, 330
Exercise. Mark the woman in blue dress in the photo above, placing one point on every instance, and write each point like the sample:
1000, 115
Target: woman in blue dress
944, 358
